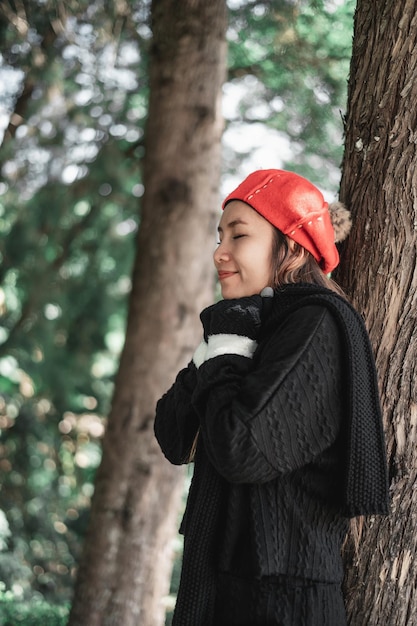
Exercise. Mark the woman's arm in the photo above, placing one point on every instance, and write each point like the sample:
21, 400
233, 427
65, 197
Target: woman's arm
176, 422
274, 414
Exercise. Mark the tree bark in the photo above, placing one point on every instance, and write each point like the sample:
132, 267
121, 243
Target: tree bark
378, 270
125, 570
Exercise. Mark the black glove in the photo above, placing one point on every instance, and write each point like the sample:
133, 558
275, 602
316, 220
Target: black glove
241, 316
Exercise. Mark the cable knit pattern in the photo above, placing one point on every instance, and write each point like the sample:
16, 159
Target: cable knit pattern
366, 475
278, 466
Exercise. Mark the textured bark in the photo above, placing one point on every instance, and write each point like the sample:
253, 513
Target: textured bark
379, 184
125, 570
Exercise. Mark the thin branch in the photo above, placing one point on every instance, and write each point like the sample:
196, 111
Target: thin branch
17, 18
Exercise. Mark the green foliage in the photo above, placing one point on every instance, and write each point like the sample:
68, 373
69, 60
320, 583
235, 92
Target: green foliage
37, 613
69, 213
291, 60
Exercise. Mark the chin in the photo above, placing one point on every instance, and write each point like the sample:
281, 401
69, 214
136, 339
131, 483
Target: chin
230, 294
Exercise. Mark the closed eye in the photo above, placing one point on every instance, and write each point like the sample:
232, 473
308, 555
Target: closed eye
234, 237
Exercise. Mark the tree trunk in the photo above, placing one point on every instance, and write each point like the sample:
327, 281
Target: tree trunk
379, 184
125, 570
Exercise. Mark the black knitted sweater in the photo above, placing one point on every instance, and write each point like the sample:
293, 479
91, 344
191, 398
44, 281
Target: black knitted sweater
290, 446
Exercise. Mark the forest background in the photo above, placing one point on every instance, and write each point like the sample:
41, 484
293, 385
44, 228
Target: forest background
74, 96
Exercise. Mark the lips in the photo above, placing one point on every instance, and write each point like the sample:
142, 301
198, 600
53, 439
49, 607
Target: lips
223, 274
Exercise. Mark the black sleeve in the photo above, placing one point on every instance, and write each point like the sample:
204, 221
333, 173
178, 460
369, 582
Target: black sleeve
269, 416
176, 422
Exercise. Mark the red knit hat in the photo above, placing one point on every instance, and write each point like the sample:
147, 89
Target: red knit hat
296, 207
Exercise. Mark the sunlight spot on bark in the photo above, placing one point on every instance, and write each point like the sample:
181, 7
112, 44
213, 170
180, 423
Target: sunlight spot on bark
383, 574
400, 437
413, 420
394, 569
405, 567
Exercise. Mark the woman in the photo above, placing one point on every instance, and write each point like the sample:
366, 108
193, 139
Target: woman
279, 410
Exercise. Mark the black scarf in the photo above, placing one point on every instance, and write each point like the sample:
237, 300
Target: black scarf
366, 475
197, 590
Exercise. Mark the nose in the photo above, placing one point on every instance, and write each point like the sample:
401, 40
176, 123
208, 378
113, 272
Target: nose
221, 253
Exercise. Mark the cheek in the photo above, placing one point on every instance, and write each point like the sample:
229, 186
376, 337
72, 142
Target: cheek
260, 268
271, 266
267, 260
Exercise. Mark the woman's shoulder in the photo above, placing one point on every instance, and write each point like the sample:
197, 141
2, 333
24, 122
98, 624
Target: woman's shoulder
303, 301
294, 339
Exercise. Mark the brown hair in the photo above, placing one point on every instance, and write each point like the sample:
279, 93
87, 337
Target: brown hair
291, 263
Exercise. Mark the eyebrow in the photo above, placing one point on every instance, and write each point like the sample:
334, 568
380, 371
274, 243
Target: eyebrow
232, 224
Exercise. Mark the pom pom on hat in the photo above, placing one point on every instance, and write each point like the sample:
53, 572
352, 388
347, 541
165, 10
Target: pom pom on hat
298, 209
341, 220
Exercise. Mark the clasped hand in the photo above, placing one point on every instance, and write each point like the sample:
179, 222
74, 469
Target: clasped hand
232, 326
237, 316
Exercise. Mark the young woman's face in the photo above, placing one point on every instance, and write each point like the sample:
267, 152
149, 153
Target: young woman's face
243, 258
